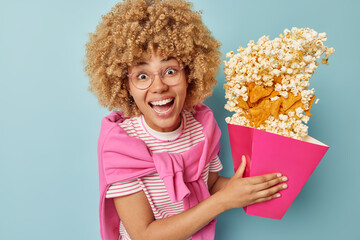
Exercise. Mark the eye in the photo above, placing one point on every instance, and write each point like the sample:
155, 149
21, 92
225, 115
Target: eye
142, 76
170, 71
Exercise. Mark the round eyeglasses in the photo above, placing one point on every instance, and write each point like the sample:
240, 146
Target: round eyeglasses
169, 75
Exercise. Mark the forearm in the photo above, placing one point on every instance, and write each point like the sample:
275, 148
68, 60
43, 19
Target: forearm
219, 184
187, 223
136, 214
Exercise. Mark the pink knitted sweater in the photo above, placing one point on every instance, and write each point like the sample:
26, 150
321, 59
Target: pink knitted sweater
122, 158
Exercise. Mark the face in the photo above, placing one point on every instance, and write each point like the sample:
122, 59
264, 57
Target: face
160, 104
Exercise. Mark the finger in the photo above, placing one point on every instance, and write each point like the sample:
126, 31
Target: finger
276, 195
268, 184
271, 191
239, 173
264, 178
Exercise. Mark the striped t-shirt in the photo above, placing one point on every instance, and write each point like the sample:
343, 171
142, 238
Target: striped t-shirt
187, 135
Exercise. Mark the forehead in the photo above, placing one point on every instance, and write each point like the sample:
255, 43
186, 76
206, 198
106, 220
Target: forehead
155, 60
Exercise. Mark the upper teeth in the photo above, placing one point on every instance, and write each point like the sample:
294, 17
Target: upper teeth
162, 102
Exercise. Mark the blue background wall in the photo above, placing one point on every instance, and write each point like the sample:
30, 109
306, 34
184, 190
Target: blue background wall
49, 122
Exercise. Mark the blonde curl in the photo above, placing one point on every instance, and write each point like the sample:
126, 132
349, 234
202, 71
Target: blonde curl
136, 28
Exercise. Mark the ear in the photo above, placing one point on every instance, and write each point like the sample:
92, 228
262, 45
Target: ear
128, 88
186, 71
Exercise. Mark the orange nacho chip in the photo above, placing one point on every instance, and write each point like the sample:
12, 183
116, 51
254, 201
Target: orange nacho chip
307, 112
251, 85
295, 106
288, 102
242, 104
277, 80
258, 115
273, 94
275, 107
259, 92
265, 105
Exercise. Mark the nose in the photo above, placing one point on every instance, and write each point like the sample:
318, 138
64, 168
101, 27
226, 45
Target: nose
157, 85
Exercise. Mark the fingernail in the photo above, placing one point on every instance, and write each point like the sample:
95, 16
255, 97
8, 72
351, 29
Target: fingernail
279, 175
284, 186
278, 195
284, 178
243, 158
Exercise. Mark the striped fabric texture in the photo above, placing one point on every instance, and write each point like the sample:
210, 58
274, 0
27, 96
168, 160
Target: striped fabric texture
151, 184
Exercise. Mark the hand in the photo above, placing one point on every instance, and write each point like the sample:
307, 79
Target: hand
240, 192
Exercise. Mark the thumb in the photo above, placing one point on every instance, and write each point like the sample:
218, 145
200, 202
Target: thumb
239, 173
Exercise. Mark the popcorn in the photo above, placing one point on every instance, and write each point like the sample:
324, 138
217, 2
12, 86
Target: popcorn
267, 82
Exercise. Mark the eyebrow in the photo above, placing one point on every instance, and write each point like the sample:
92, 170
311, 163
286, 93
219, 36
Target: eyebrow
146, 63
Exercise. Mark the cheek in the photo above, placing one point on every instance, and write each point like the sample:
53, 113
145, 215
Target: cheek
137, 95
183, 93
138, 99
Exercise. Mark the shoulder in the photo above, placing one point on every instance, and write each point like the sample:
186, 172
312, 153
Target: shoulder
114, 129
206, 117
203, 112
109, 122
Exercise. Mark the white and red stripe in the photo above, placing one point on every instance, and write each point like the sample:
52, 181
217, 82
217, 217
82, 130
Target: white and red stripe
152, 185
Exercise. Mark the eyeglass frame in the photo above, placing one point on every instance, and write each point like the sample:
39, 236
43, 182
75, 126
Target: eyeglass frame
153, 76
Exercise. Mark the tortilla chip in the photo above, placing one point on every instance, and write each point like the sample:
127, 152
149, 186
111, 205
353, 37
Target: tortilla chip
288, 102
242, 104
258, 116
295, 106
264, 105
259, 92
273, 94
251, 85
307, 112
275, 107
277, 80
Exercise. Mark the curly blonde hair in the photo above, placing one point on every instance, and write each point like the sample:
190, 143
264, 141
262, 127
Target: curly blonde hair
136, 28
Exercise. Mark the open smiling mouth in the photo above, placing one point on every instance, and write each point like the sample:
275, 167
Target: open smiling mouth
163, 106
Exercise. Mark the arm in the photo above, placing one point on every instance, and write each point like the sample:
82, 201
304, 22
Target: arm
216, 182
136, 214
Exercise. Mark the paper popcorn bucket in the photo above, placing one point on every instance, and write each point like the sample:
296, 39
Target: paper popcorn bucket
270, 153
